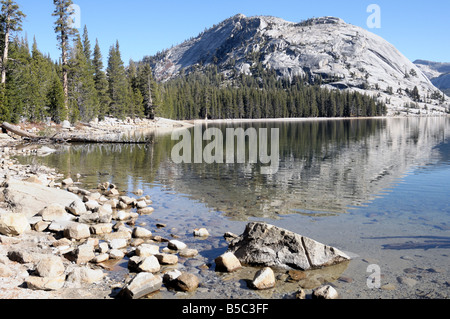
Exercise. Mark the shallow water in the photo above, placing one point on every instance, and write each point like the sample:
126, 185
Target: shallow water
376, 188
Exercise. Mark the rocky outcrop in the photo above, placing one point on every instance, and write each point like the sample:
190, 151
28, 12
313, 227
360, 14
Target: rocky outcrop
30, 198
266, 245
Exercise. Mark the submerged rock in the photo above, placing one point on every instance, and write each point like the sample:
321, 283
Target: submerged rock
270, 246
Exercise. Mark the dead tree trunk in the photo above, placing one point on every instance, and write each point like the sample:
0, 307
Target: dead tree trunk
18, 131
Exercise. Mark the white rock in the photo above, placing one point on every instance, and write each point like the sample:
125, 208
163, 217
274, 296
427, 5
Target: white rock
264, 279
77, 208
171, 275
45, 283
202, 232
325, 292
176, 245
55, 212
85, 275
51, 266
146, 250
67, 182
149, 264
116, 254
77, 231
141, 285
118, 243
140, 232
13, 224
227, 262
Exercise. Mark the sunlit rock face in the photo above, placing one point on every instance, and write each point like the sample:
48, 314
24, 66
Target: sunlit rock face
343, 55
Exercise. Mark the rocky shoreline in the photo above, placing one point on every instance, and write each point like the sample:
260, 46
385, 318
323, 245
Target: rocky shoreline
60, 241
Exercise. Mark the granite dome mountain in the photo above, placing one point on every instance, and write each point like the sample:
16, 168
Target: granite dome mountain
342, 55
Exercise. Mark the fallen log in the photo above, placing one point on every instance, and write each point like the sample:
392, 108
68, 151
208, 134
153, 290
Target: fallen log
18, 131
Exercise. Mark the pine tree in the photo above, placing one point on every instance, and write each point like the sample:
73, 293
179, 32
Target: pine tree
55, 99
17, 87
87, 46
149, 90
40, 73
11, 20
101, 82
118, 84
64, 31
82, 92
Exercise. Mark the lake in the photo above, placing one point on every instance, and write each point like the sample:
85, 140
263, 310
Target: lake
378, 189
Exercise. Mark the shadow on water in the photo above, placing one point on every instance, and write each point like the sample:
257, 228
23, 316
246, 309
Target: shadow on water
426, 243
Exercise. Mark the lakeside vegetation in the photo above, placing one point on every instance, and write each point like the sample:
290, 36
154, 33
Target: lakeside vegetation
78, 87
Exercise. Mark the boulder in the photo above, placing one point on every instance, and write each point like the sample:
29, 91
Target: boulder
167, 259
202, 232
149, 264
66, 125
77, 208
92, 205
325, 292
118, 243
186, 282
145, 211
45, 283
51, 267
13, 224
146, 250
140, 232
85, 275
176, 245
264, 279
5, 271
100, 229
141, 285
30, 198
67, 182
84, 254
55, 212
171, 275
116, 254
127, 200
228, 262
266, 245
77, 231
188, 253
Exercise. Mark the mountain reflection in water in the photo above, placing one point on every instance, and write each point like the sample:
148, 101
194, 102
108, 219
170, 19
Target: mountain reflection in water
326, 167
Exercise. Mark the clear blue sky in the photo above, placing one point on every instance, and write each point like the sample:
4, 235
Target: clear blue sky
419, 29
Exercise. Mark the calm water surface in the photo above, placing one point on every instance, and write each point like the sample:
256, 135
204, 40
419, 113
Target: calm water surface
376, 188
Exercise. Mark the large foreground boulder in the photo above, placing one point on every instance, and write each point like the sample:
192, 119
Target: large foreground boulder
270, 246
31, 198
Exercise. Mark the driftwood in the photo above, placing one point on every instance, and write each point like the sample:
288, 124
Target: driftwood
14, 129
75, 138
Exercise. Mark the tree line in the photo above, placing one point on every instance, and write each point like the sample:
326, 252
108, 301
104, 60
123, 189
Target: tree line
78, 87
203, 94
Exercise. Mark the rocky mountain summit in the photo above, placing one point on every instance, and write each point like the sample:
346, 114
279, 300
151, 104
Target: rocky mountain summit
339, 55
